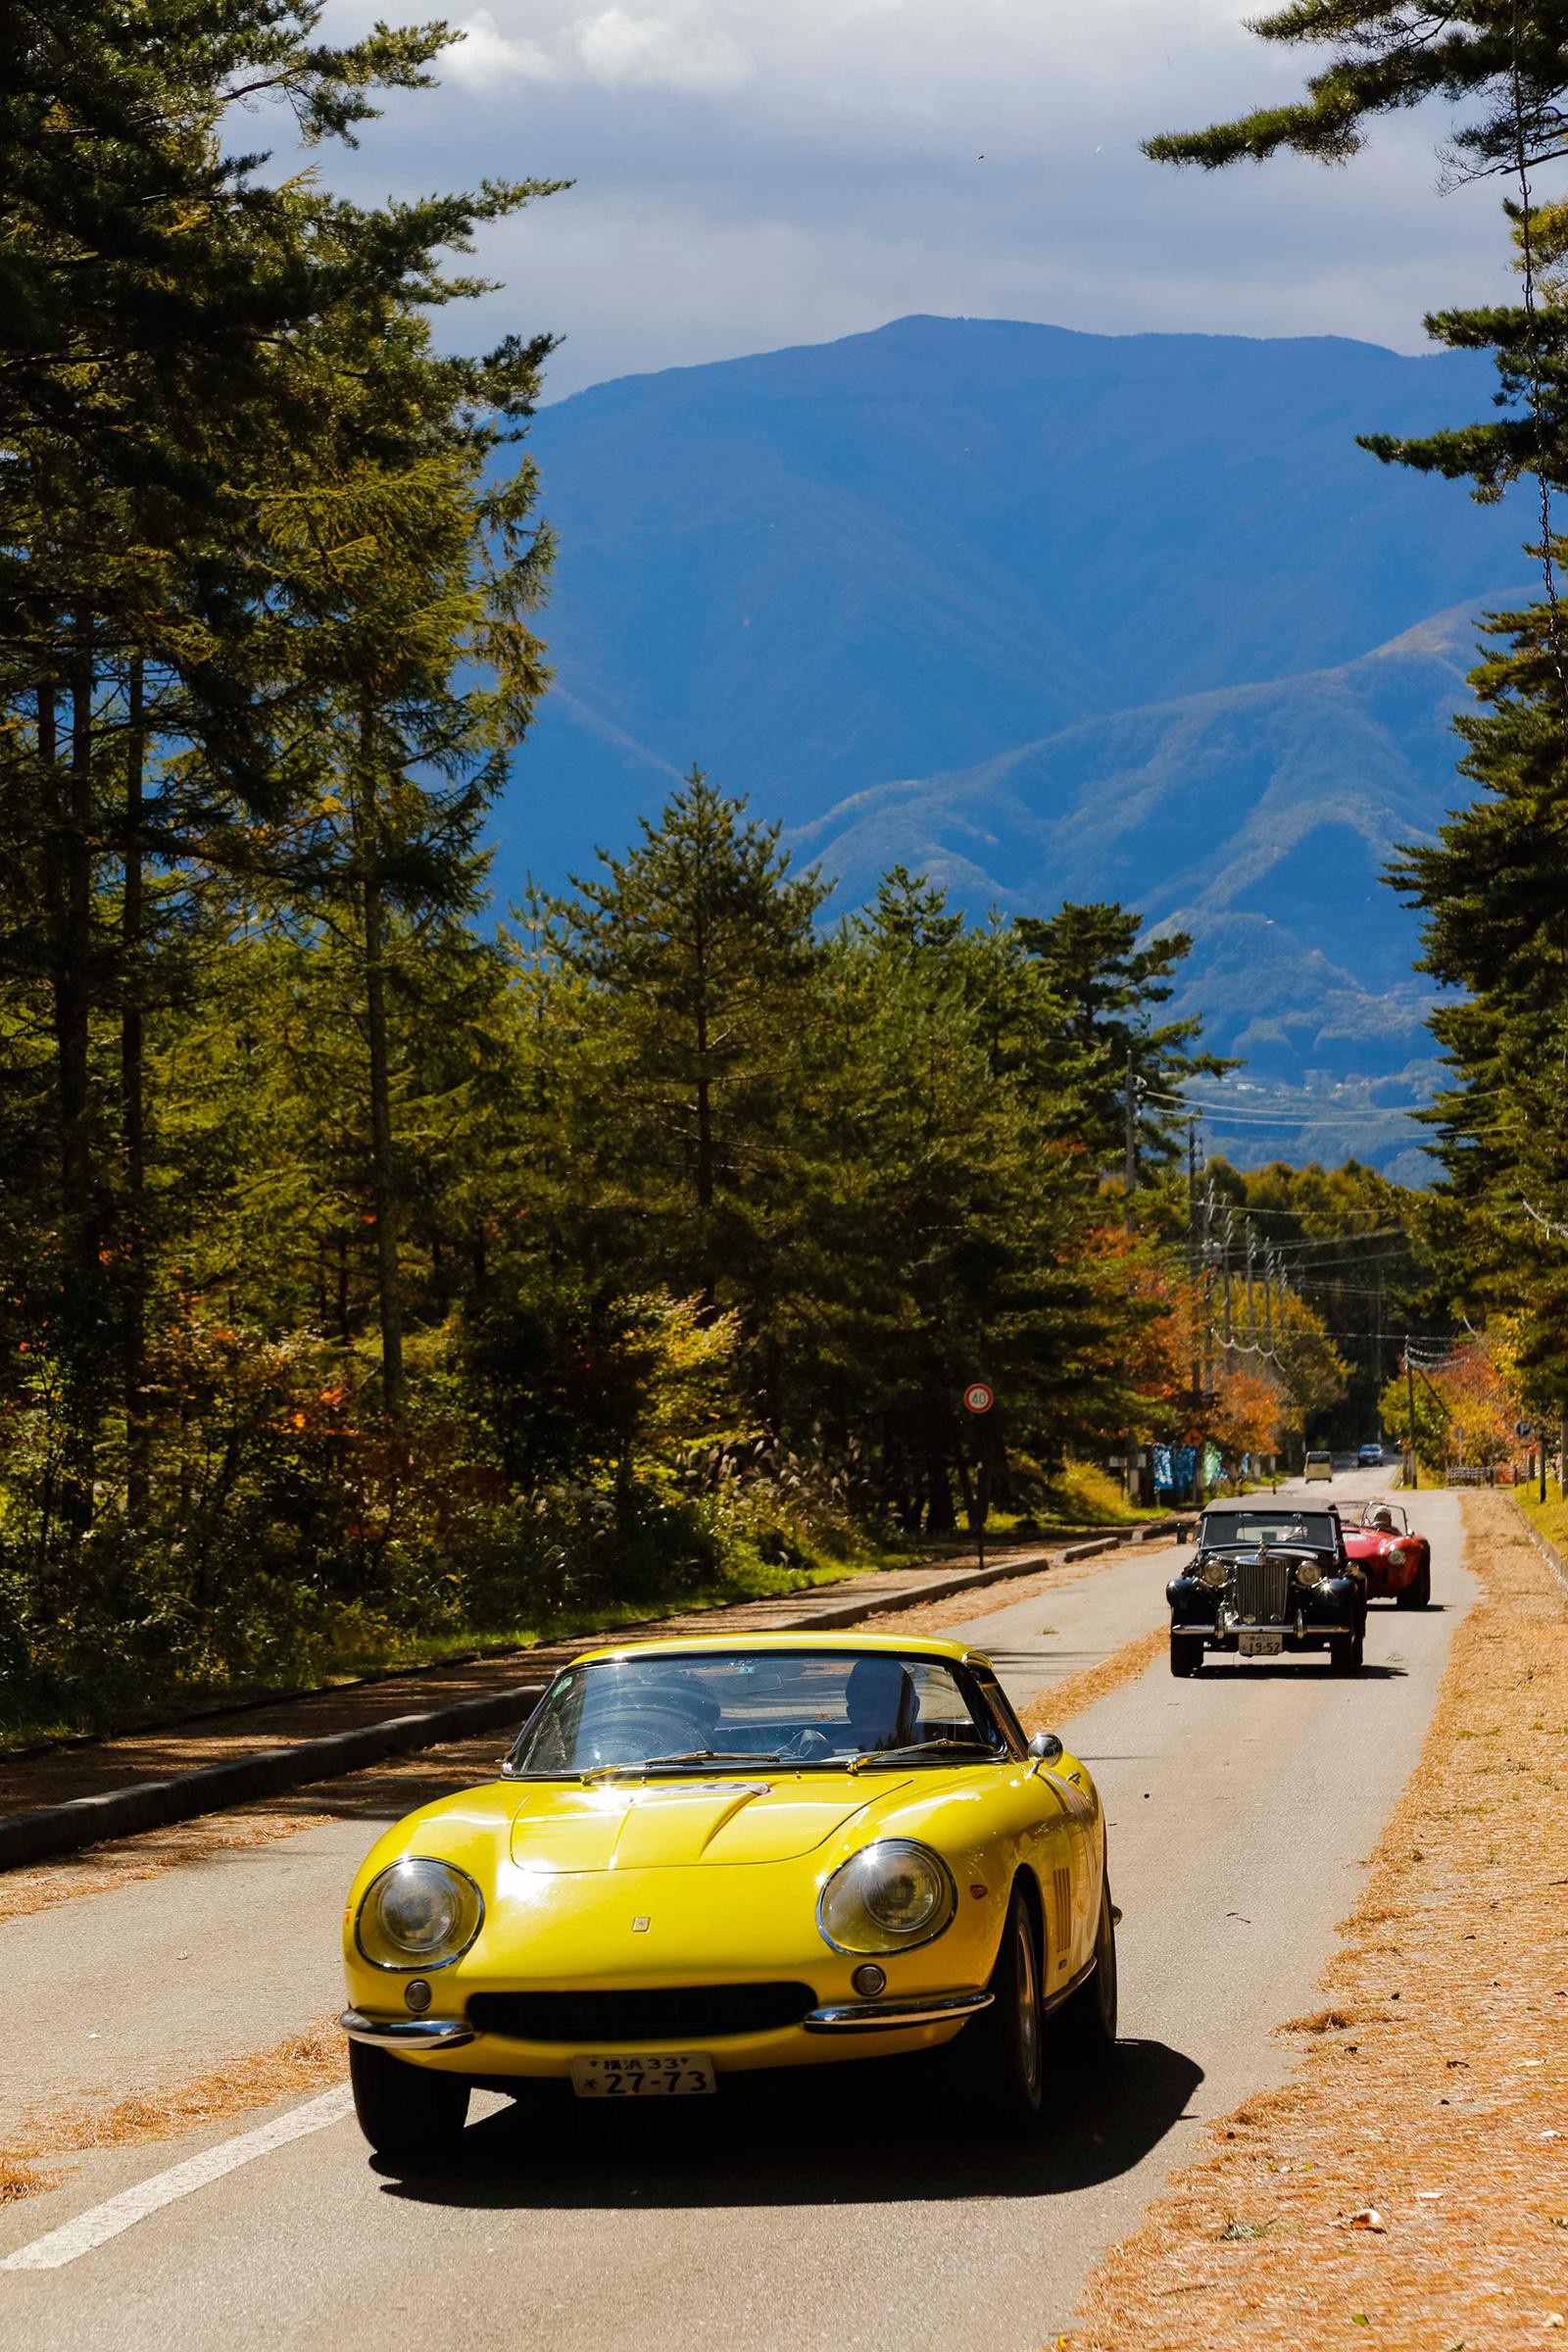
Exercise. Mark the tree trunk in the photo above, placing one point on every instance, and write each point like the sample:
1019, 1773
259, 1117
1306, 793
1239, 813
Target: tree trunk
383, 1172
707, 1271
133, 1088
940, 1519
70, 947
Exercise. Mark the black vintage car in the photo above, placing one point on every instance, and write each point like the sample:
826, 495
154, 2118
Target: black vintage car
1268, 1576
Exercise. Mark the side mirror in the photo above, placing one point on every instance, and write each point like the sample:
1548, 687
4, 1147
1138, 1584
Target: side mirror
1045, 1747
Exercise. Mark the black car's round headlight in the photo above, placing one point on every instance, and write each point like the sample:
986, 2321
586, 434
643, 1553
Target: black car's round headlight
887, 1898
1309, 1572
1213, 1571
420, 1913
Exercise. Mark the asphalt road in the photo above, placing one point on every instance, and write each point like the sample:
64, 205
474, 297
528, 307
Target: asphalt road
871, 2213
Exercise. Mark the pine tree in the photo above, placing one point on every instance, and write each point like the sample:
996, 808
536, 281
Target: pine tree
1505, 66
696, 950
159, 295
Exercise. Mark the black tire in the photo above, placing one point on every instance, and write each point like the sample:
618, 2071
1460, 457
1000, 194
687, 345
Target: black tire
1004, 2046
1348, 1654
410, 2114
1186, 1652
1082, 2032
1417, 1595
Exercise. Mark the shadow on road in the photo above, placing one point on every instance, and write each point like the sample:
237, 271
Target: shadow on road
882, 2133
1308, 1669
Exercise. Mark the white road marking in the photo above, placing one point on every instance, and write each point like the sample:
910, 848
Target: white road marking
102, 2221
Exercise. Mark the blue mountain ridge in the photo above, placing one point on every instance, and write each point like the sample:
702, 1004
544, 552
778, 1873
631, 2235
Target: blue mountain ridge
852, 580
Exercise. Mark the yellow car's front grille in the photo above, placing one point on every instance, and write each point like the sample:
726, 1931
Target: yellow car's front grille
690, 2013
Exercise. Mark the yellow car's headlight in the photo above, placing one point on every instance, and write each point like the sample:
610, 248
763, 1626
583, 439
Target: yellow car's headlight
420, 1913
887, 1898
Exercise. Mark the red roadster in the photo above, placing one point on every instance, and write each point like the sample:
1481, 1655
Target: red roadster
1397, 1561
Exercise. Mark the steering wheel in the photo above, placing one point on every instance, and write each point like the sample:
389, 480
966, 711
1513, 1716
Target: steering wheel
646, 1724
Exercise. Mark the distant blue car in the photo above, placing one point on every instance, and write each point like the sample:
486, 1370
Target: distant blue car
1370, 1458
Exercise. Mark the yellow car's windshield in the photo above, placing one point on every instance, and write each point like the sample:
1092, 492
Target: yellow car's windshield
733, 1710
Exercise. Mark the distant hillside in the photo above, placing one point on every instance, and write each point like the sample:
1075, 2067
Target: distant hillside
1154, 560
1256, 817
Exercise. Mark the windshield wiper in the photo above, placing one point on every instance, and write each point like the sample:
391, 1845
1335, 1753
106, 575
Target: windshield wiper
925, 1747
716, 1755
694, 1755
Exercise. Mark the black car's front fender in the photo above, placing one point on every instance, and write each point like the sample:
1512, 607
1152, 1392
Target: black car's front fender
1192, 1602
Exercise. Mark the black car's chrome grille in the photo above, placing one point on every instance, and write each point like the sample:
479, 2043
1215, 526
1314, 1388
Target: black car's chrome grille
691, 2013
1262, 1591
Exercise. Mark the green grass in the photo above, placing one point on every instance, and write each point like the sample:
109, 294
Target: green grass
101, 1713
1551, 1516
1086, 1498
1089, 1496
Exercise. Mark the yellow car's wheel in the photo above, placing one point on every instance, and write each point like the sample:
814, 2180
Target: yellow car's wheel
408, 2114
1005, 2045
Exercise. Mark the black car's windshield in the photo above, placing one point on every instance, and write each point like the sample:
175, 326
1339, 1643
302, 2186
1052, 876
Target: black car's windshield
733, 1710
1282, 1525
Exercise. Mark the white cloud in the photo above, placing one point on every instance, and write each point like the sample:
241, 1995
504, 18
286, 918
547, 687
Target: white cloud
614, 47
749, 173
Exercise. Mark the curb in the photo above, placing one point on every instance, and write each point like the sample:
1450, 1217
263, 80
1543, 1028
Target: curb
1548, 1550
51, 1830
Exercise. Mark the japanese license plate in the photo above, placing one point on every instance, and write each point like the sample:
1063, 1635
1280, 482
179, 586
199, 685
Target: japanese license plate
668, 2075
1259, 1646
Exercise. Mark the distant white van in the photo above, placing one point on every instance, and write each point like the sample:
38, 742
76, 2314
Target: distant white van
1319, 1465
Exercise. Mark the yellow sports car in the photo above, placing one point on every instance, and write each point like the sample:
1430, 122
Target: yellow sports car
705, 1857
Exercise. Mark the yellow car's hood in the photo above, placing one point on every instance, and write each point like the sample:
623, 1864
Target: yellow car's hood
639, 1824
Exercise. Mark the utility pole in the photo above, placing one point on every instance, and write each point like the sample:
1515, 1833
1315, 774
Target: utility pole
1268, 1299
1251, 1317
1230, 1236
1130, 1093
1192, 1287
1409, 1389
1207, 1375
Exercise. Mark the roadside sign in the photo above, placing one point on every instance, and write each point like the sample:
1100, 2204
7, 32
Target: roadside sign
978, 1397
1524, 1429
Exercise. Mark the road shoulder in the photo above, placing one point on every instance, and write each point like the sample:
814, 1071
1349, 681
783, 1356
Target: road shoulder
1409, 2184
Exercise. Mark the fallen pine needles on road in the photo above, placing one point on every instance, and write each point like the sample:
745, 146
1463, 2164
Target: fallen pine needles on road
309, 2061
1076, 1692
102, 1868
1410, 2186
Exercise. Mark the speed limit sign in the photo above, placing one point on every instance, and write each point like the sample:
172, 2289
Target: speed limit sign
977, 1397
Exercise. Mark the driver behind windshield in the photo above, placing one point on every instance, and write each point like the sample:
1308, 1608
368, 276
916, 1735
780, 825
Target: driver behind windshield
880, 1704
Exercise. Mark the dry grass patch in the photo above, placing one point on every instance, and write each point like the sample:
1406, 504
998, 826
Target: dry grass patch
309, 2061
20, 2178
102, 1868
1412, 2177
1076, 1692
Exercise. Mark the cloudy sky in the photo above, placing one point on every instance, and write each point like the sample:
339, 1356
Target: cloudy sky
756, 173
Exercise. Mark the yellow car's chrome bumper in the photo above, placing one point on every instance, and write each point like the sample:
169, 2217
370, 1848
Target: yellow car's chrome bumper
407, 2032
912, 2022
